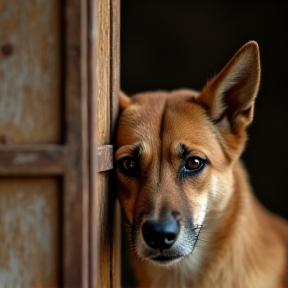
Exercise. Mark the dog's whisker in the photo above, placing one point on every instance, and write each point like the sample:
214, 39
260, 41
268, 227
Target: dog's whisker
202, 240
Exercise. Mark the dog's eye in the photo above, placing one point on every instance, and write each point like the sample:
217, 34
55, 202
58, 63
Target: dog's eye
194, 163
129, 166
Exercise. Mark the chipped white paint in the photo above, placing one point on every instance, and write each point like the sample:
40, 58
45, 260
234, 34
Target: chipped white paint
28, 235
30, 74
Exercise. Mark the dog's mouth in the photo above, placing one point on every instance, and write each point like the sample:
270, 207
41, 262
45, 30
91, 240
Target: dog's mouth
161, 259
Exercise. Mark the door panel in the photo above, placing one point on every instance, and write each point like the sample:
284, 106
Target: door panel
29, 232
30, 67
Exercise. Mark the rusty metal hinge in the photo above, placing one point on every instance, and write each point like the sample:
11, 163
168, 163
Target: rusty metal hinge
105, 158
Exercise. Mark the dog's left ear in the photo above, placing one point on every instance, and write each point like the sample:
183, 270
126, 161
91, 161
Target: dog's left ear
231, 94
124, 100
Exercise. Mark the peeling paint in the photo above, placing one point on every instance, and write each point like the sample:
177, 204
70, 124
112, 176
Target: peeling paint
30, 76
28, 233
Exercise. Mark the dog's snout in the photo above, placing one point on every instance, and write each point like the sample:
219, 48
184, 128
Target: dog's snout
160, 234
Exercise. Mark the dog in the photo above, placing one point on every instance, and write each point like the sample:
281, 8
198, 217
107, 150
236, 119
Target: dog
192, 218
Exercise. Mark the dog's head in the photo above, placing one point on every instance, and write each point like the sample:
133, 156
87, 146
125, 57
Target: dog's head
175, 156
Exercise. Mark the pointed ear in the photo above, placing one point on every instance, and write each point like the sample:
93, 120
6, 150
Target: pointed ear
124, 100
231, 94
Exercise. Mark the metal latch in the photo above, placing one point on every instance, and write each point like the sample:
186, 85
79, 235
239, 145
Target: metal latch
105, 158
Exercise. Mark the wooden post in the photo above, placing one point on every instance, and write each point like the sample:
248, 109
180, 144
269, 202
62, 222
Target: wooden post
104, 85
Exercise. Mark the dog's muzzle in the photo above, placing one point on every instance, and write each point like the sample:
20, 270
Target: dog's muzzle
164, 241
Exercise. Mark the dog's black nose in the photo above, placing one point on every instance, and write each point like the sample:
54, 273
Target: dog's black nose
160, 234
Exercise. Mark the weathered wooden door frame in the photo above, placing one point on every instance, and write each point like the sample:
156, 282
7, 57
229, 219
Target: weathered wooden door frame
82, 158
103, 68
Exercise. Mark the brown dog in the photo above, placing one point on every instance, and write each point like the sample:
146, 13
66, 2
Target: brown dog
194, 221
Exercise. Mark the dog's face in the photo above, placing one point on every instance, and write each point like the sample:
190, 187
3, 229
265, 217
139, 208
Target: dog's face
175, 156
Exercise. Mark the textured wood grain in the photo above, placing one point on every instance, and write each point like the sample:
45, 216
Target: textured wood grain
103, 72
115, 63
100, 113
30, 69
76, 185
115, 79
116, 256
29, 232
94, 224
32, 160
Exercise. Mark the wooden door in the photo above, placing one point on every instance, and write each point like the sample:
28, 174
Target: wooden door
58, 104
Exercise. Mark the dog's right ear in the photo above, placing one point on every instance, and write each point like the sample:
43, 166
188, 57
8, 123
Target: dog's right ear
124, 100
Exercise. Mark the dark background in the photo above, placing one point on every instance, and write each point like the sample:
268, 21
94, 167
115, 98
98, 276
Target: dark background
169, 44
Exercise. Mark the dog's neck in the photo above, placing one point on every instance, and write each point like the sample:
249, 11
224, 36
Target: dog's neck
233, 245
238, 242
